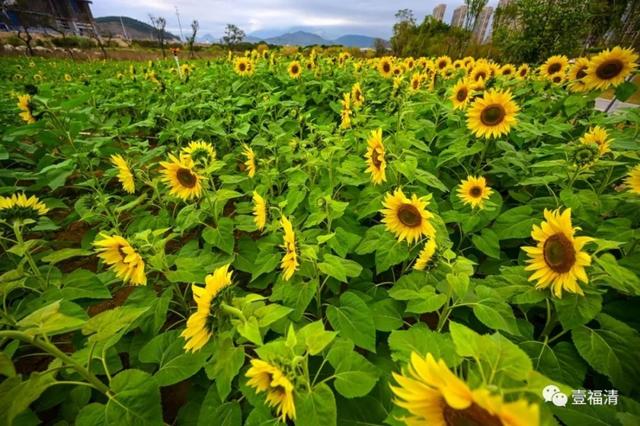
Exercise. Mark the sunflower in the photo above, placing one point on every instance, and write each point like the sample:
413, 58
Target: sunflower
200, 152
474, 191
576, 75
357, 97
385, 67
557, 78
250, 163
554, 65
557, 260
633, 180
480, 71
375, 157
434, 395
468, 61
259, 211
443, 62
289, 262
416, 80
265, 377
523, 71
492, 115
124, 173
295, 69
461, 93
180, 174
426, 255
407, 218
243, 66
199, 325
24, 103
507, 70
410, 63
398, 70
345, 114
610, 68
121, 257
599, 136
67, 77
19, 207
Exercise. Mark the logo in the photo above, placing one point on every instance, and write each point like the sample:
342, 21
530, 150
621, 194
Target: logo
552, 393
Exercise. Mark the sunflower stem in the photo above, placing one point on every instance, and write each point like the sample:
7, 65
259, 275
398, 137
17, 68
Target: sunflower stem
17, 230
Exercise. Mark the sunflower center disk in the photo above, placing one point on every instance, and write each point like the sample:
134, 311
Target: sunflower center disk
492, 115
472, 416
475, 192
581, 73
554, 68
559, 253
409, 216
386, 67
376, 158
242, 67
461, 95
186, 178
294, 70
609, 69
481, 76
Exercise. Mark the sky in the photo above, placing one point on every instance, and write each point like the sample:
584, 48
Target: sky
266, 18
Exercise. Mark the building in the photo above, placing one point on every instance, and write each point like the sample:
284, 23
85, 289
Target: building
68, 16
438, 12
459, 15
482, 23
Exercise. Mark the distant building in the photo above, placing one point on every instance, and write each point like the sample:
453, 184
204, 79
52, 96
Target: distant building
459, 14
482, 23
68, 16
438, 12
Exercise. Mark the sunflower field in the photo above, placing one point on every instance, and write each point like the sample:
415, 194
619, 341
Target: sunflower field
319, 239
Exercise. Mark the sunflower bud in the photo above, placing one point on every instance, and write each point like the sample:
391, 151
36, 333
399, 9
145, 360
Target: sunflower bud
585, 154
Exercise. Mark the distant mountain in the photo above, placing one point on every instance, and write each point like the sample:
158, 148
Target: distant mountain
208, 38
298, 38
136, 30
355, 40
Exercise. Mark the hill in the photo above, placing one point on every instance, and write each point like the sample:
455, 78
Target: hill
355, 40
136, 30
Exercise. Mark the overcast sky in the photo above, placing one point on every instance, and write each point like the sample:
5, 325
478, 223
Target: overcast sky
329, 18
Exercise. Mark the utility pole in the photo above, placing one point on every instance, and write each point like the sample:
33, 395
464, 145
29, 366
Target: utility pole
179, 24
124, 31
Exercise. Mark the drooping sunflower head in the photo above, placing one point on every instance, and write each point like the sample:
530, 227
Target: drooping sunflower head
407, 218
121, 257
250, 163
433, 395
523, 72
125, 176
633, 180
200, 152
243, 66
294, 69
259, 211
385, 67
600, 137
200, 324
493, 114
461, 94
426, 256
181, 176
576, 75
376, 163
610, 68
356, 95
266, 377
20, 207
26, 107
289, 262
474, 191
558, 260
554, 65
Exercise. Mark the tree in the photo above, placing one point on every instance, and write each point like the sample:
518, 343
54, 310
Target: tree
232, 35
402, 31
474, 7
195, 26
380, 47
159, 24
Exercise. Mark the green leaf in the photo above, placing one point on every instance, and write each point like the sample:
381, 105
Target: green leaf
109, 326
56, 318
64, 254
421, 340
419, 292
91, 415
222, 236
314, 337
344, 242
316, 408
515, 223
354, 375
611, 350
562, 362
174, 364
625, 90
390, 252
493, 311
83, 284
618, 277
271, 313
135, 400
387, 315
16, 395
339, 268
575, 310
225, 364
487, 242
295, 295
354, 320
